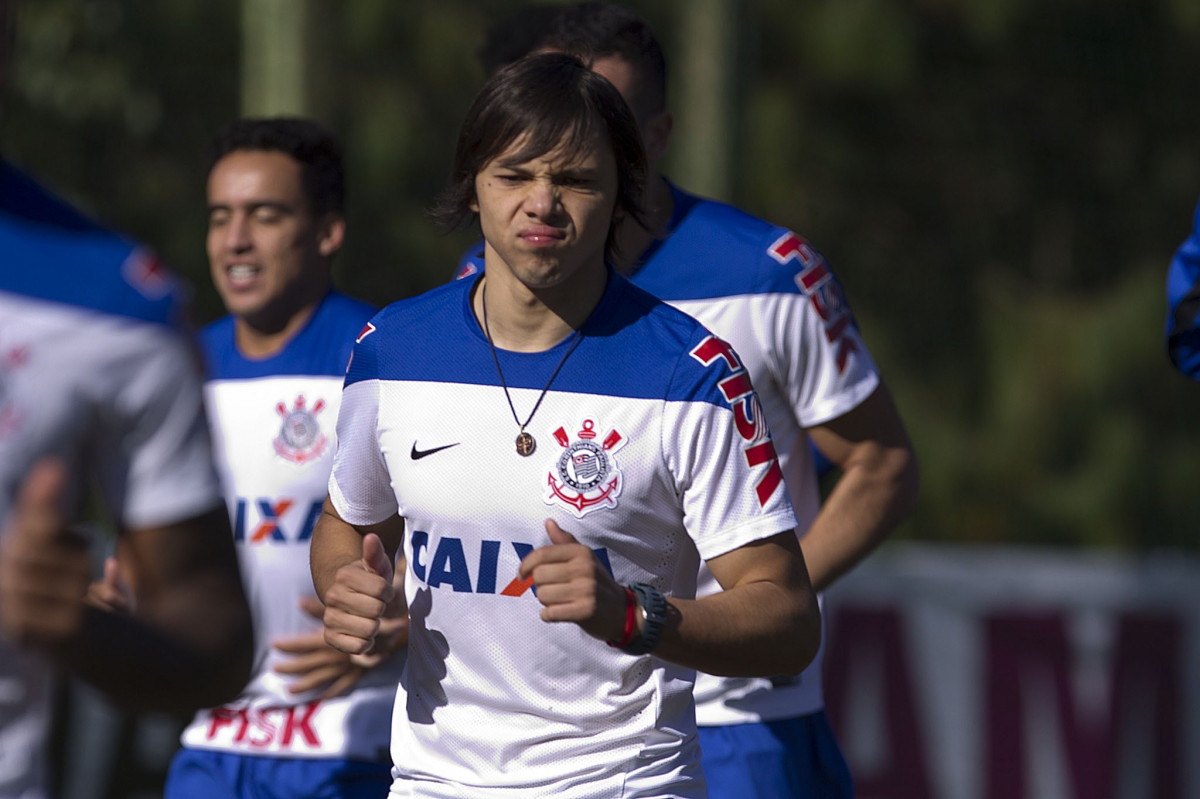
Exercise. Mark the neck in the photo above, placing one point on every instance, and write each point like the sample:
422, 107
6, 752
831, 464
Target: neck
633, 238
256, 339
521, 319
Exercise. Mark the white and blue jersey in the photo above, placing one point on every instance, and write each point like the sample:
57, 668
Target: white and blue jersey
771, 295
1183, 304
96, 370
651, 449
274, 426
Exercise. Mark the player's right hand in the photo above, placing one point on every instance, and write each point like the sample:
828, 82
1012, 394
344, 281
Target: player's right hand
45, 568
356, 601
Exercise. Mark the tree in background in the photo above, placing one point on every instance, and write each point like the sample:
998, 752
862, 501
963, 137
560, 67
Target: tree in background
1000, 185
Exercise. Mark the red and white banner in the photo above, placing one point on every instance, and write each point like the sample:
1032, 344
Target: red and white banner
1000, 673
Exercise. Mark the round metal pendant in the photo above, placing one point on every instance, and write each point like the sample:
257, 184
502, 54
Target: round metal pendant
525, 444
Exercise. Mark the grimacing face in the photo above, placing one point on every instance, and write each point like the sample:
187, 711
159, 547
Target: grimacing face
266, 250
547, 218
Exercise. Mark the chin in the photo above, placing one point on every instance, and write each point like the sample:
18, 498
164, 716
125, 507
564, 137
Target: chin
543, 280
244, 307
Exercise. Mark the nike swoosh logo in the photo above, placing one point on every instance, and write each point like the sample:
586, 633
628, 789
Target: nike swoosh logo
417, 454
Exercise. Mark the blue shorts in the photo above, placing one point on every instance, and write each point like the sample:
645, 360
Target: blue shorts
201, 774
782, 759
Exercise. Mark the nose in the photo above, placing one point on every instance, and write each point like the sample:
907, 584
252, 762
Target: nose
237, 234
543, 198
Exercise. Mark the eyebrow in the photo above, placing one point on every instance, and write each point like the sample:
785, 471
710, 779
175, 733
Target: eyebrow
568, 169
279, 205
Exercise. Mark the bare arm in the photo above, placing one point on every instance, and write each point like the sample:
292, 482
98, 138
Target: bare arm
765, 622
353, 573
876, 491
188, 642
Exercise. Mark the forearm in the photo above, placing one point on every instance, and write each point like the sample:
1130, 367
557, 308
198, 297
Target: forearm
167, 658
335, 543
874, 494
189, 640
755, 630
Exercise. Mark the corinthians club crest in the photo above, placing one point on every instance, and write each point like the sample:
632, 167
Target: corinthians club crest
585, 476
300, 439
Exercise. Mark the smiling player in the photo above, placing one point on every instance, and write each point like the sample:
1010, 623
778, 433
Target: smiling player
313, 721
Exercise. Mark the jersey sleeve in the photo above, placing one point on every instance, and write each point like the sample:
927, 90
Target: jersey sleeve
719, 449
1183, 304
359, 485
819, 358
152, 455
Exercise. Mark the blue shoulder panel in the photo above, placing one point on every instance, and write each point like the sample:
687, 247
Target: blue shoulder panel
633, 345
52, 252
722, 251
321, 347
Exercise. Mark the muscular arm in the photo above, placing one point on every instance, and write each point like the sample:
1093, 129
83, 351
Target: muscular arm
765, 622
187, 644
353, 572
876, 491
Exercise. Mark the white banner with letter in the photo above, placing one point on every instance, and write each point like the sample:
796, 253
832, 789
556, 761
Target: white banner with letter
956, 672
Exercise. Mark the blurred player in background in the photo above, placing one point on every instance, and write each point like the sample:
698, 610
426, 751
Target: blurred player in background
99, 384
773, 297
313, 721
1183, 304
556, 449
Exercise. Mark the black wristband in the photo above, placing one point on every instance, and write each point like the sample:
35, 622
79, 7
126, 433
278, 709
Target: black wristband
654, 617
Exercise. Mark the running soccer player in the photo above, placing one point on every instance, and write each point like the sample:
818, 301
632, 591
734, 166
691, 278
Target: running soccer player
313, 721
555, 450
99, 384
774, 298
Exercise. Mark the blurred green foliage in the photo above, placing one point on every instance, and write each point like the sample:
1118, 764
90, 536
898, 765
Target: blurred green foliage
998, 183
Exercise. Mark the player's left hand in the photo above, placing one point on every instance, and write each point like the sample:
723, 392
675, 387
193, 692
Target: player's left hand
314, 663
45, 568
573, 585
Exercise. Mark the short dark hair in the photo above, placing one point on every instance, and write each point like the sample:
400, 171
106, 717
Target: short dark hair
545, 100
313, 146
600, 30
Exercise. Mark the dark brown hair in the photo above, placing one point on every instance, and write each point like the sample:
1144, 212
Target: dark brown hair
544, 101
315, 148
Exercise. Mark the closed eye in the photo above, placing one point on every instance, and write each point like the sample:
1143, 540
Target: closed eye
268, 214
218, 216
576, 180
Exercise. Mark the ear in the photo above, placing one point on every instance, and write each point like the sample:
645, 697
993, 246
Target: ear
474, 204
332, 234
656, 134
